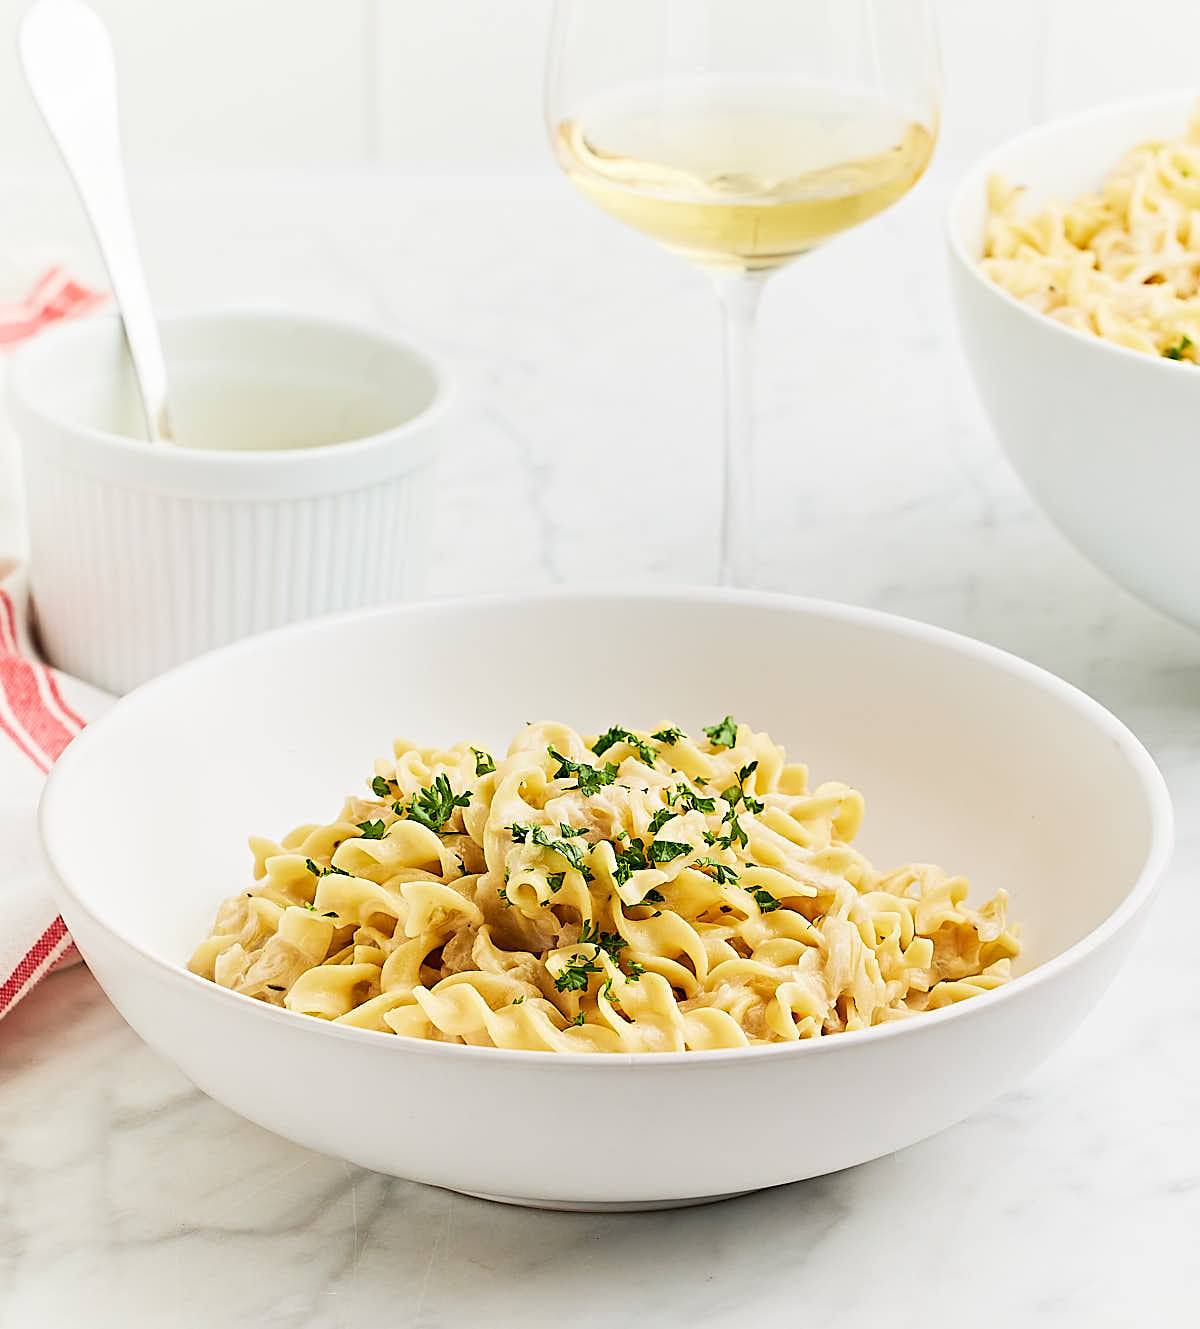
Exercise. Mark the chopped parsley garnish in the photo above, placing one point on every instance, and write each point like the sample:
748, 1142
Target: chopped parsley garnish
324, 872
736, 793
736, 834
578, 1020
380, 787
664, 851
590, 780
516, 1001
331, 913
433, 807
484, 762
276, 988
1176, 352
372, 830
555, 880
655, 897
575, 976
724, 733
669, 736
630, 859
571, 830
766, 902
635, 971
660, 819
568, 849
721, 874
618, 735
612, 943
686, 795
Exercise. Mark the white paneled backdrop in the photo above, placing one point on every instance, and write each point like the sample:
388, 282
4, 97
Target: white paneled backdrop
455, 84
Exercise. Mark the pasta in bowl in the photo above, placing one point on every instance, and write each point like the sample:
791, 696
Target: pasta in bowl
1074, 263
964, 757
627, 892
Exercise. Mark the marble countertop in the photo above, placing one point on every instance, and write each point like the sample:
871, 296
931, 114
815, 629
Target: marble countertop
588, 362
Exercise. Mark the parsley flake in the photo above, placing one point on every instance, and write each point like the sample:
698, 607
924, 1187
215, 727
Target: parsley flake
330, 871
433, 807
1176, 352
660, 819
380, 787
575, 976
669, 736
736, 835
555, 880
612, 943
723, 734
578, 1020
766, 902
533, 834
721, 874
664, 851
630, 859
484, 762
618, 735
688, 797
590, 780
372, 830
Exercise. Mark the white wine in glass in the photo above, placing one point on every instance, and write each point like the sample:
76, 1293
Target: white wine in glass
740, 134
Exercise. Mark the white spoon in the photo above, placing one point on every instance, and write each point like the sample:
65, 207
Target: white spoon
68, 62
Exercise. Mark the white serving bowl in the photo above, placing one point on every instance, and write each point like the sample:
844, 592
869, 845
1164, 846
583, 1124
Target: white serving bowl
1106, 439
967, 756
303, 483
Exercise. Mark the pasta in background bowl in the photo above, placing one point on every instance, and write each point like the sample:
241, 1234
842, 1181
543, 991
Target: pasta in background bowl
965, 756
1088, 372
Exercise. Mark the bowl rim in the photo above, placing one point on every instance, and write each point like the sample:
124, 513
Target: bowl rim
211, 463
52, 817
974, 179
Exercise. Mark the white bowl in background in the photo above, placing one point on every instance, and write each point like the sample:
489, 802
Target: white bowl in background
304, 484
1106, 439
967, 757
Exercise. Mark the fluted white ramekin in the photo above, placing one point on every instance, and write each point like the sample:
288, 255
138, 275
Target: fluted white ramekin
311, 490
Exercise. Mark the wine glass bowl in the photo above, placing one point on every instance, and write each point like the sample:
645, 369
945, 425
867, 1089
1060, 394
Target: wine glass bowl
745, 174
740, 134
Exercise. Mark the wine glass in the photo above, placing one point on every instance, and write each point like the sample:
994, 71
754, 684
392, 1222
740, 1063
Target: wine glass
740, 134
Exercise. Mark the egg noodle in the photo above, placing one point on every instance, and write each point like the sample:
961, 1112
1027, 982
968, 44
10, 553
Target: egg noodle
1122, 263
631, 892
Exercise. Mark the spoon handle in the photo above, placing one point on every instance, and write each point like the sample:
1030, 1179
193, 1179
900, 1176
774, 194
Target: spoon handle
68, 62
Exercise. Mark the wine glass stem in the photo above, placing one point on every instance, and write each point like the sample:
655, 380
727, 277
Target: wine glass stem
739, 294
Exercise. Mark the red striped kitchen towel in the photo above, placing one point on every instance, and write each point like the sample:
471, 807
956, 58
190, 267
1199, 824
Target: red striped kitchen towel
41, 710
54, 295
